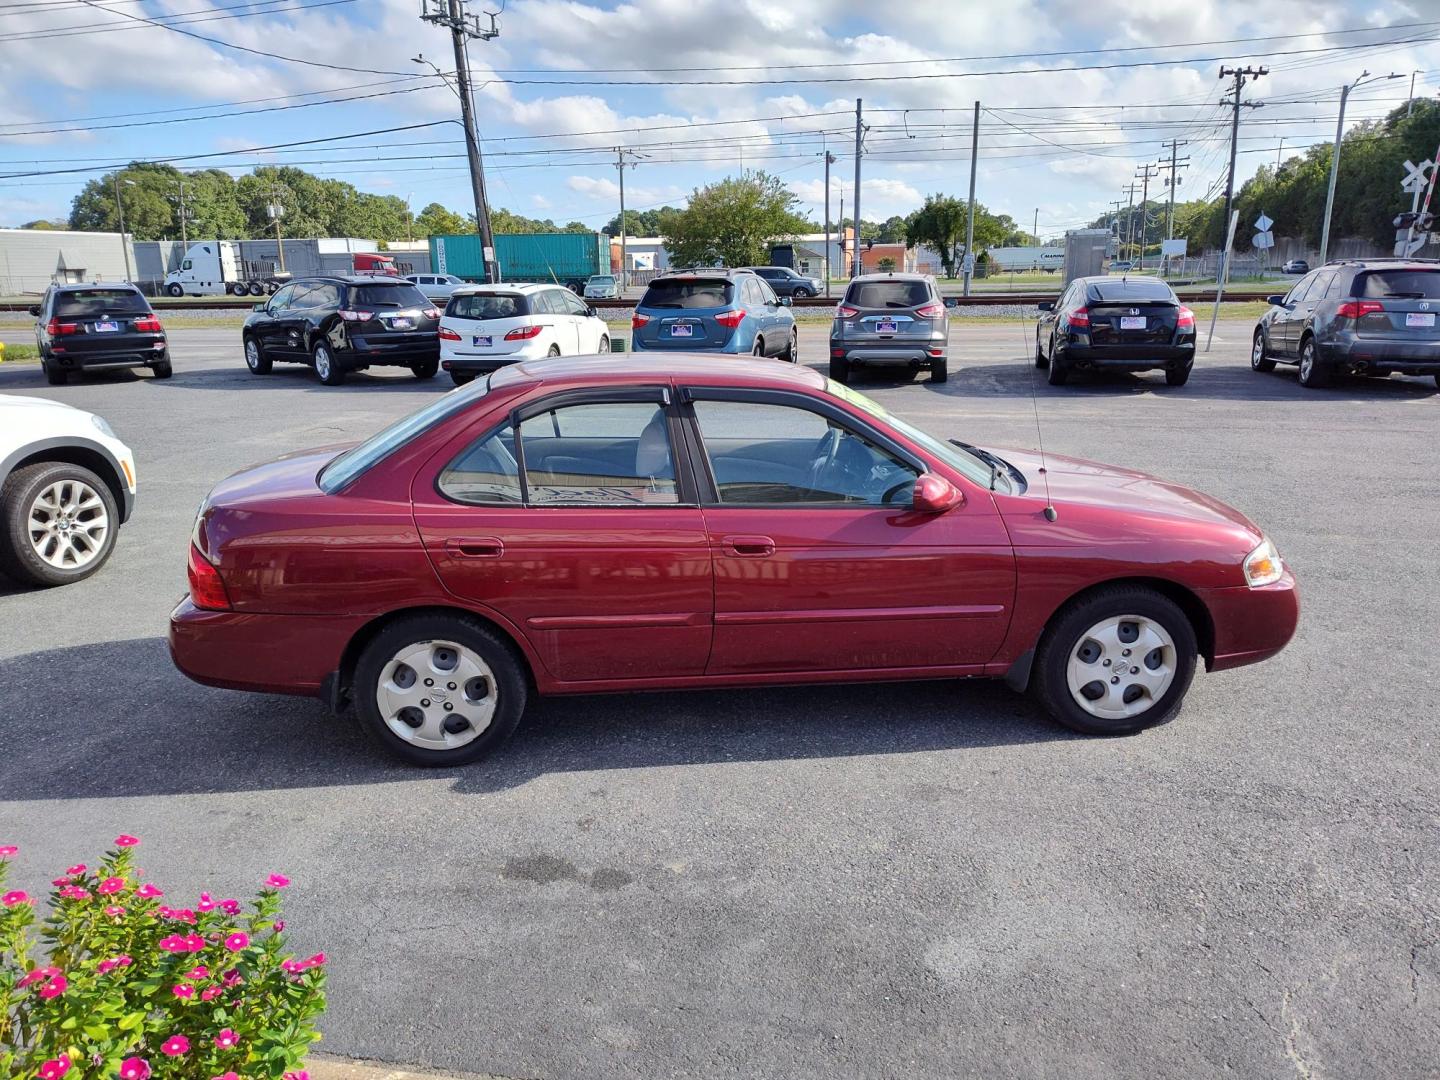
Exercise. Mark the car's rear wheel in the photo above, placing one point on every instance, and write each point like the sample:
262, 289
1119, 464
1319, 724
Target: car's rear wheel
1313, 374
460, 379
840, 371
1177, 376
1258, 360
1118, 661
55, 376
939, 370
255, 358
1040, 358
162, 370
791, 355
326, 367
426, 369
439, 690
57, 523
1058, 373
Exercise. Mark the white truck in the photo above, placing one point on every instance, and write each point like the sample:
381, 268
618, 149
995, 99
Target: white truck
215, 268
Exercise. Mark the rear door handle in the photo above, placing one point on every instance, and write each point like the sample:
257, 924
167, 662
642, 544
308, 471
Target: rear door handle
748, 547
477, 547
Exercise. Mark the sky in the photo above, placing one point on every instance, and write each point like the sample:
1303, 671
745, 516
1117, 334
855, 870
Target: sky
1075, 98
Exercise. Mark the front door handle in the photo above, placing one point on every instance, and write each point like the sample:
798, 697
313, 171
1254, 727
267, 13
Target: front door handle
748, 547
474, 547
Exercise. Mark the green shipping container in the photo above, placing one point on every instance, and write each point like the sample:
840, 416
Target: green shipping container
564, 258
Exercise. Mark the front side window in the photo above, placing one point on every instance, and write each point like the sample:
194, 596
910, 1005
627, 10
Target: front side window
281, 300
764, 454
1298, 293
573, 304
610, 454
185, 265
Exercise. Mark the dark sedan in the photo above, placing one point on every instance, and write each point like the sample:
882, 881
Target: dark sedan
342, 324
89, 327
1130, 324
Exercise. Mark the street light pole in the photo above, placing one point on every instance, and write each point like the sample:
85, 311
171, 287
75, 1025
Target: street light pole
1335, 157
829, 160
120, 211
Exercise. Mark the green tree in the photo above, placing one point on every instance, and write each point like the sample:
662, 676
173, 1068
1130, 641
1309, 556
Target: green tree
885, 265
46, 225
639, 222
892, 230
939, 223
733, 222
436, 220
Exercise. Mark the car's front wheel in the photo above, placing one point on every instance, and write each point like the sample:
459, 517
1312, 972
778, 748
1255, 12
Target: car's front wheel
1117, 661
1258, 360
57, 523
255, 358
175, 289
803, 293
439, 690
604, 346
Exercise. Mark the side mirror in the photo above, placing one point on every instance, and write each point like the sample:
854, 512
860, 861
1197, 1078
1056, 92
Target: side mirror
35, 310
786, 301
1047, 305
590, 310
933, 494
1275, 301
259, 307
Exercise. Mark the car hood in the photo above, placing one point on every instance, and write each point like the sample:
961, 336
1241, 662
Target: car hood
1118, 492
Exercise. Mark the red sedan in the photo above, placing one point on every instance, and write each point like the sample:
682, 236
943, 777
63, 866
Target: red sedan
587, 525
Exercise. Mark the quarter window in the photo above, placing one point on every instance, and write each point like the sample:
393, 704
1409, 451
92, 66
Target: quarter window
486, 472
611, 454
764, 454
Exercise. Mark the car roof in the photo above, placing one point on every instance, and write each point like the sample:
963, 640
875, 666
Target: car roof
89, 285
898, 275
702, 271
621, 369
353, 279
509, 286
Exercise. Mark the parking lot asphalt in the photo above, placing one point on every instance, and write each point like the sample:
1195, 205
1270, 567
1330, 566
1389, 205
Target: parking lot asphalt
927, 880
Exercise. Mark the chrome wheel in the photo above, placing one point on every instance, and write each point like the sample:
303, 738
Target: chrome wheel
436, 695
322, 363
1257, 351
1307, 362
1121, 667
68, 524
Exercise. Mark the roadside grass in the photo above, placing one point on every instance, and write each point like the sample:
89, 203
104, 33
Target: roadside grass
19, 353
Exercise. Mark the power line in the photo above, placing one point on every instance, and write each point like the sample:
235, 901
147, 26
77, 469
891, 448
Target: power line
206, 15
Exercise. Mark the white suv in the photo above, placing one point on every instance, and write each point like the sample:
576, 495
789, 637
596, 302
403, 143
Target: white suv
488, 326
67, 484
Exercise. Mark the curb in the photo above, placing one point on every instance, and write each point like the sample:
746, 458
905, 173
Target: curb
325, 1067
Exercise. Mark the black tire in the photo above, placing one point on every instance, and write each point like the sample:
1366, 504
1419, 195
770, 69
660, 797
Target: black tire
54, 375
327, 368
255, 358
791, 355
237, 289
802, 293
1313, 374
1058, 373
256, 288
1066, 634
1040, 359
510, 685
175, 289
162, 370
460, 379
1177, 376
426, 369
939, 371
1259, 361
1437, 381
840, 371
17, 496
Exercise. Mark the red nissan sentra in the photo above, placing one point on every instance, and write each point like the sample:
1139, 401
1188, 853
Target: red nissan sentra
587, 525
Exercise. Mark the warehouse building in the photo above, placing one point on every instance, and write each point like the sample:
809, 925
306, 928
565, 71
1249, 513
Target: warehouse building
32, 259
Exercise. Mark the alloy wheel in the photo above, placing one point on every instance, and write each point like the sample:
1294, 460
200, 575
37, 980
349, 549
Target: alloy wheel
1121, 666
1307, 362
68, 524
322, 363
437, 695
252, 354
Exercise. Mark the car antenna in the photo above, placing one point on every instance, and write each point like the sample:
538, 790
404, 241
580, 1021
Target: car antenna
1051, 514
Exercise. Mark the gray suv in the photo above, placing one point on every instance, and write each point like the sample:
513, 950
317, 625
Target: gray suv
890, 319
1361, 317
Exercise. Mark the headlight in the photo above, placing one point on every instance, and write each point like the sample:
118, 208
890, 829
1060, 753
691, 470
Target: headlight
102, 426
1263, 565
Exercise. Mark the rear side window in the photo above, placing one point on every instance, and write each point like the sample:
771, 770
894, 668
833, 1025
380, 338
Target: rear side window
693, 293
488, 306
887, 294
370, 297
1407, 284
86, 302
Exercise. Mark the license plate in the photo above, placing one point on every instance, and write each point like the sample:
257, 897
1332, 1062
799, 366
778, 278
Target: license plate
482, 340
1132, 322
402, 324
1416, 318
682, 330
114, 327
886, 326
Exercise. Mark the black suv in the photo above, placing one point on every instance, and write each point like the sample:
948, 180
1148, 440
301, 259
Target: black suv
86, 327
1119, 324
342, 324
1362, 316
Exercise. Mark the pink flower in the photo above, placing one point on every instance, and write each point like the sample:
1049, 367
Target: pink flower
147, 891
54, 988
298, 1075
17, 897
205, 904
74, 892
124, 840
55, 1068
230, 907
194, 943
175, 1046
114, 910
279, 926
233, 977
183, 990
318, 960
232, 1075
173, 943
76, 870
37, 975
210, 992
276, 881
134, 1068
60, 882
110, 965
199, 971
8, 850
110, 885
237, 941
226, 1039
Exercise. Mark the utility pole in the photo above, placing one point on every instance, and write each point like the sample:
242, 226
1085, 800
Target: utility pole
1172, 182
184, 241
968, 265
859, 134
1240, 74
120, 210
1335, 157
1410, 101
462, 26
1129, 219
1145, 175
622, 165
842, 227
829, 160
277, 211
1278, 149
1035, 228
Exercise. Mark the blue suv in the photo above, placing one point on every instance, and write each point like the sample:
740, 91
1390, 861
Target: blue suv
725, 311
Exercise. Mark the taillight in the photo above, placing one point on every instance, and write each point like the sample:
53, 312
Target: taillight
56, 328
1185, 318
356, 316
446, 334
1079, 317
1354, 309
637, 321
844, 311
430, 312
930, 311
523, 333
207, 590
730, 319
148, 324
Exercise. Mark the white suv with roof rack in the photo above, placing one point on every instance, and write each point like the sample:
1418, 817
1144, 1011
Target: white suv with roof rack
488, 326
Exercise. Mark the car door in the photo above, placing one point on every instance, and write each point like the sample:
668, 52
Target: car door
587, 341
271, 329
581, 533
777, 318
820, 564
1290, 317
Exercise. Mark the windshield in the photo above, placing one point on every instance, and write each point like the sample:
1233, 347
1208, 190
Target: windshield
602, 281
355, 461
962, 461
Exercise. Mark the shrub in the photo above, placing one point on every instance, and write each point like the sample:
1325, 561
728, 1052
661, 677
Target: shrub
133, 988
